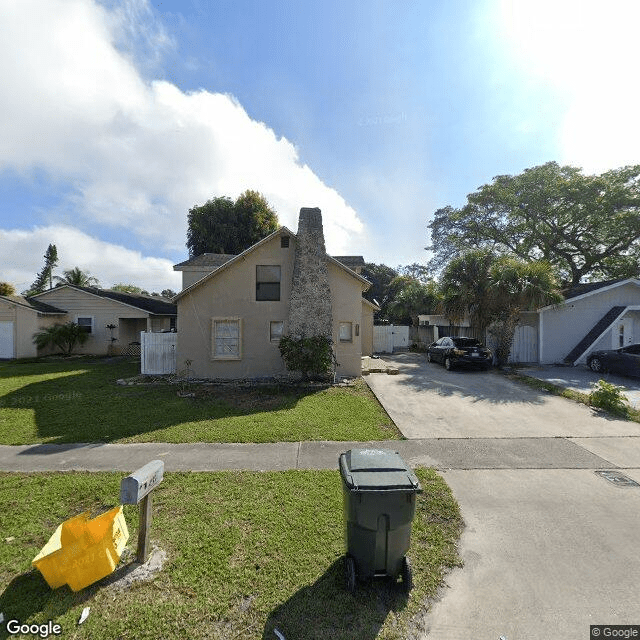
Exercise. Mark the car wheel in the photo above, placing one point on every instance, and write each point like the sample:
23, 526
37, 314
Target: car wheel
596, 365
448, 365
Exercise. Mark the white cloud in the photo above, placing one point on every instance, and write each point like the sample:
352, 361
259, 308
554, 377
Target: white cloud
138, 154
109, 263
587, 51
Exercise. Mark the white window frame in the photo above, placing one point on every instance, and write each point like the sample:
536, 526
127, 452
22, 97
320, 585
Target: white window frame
92, 328
350, 326
272, 322
214, 324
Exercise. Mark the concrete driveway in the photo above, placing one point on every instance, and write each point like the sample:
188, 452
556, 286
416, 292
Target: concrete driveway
550, 546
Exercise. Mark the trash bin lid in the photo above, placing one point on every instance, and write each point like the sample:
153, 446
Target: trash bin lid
377, 470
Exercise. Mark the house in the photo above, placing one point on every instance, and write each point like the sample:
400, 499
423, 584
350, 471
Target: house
95, 309
20, 318
596, 315
232, 317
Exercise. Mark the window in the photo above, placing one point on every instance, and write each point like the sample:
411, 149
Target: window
276, 329
85, 324
226, 337
346, 332
268, 282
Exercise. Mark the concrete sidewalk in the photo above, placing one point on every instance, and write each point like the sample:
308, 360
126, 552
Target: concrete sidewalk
441, 453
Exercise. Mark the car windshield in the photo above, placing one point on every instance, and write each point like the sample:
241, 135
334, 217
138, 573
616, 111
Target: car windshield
466, 342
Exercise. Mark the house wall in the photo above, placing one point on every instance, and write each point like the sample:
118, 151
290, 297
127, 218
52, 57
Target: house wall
102, 310
564, 326
232, 294
346, 302
366, 330
192, 275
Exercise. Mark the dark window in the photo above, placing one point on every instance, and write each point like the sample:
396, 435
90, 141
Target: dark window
466, 342
86, 324
284, 242
268, 282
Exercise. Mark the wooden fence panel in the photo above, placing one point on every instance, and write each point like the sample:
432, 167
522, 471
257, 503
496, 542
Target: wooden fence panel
157, 353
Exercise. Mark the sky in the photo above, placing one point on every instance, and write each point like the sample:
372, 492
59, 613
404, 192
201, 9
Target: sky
118, 116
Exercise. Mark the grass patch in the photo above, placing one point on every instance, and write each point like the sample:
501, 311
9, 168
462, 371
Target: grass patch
78, 401
246, 552
631, 413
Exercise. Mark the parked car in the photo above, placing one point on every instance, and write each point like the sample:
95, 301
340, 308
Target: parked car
453, 352
625, 360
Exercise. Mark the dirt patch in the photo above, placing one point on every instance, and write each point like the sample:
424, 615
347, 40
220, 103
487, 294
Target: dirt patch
126, 575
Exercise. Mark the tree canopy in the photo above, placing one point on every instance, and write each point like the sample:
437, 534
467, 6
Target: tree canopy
586, 226
223, 226
7, 289
76, 277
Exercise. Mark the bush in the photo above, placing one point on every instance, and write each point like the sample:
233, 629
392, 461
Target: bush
609, 397
64, 336
313, 357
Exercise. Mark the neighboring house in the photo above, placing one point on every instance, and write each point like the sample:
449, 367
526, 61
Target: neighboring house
597, 315
94, 309
232, 318
20, 318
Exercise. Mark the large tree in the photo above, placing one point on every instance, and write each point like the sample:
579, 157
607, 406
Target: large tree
586, 226
45, 274
223, 226
7, 289
413, 299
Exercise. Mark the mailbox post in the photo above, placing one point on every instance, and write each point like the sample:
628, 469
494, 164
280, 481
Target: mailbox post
136, 489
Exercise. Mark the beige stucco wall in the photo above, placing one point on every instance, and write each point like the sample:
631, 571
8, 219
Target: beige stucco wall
193, 274
564, 326
103, 311
231, 293
26, 322
366, 329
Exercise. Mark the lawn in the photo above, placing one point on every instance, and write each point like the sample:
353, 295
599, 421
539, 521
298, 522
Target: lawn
78, 400
236, 566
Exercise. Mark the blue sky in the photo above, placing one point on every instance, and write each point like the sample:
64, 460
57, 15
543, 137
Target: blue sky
118, 116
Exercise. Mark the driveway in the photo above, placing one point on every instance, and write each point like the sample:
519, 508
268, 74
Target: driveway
550, 546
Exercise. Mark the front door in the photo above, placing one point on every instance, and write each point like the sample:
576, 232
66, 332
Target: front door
622, 333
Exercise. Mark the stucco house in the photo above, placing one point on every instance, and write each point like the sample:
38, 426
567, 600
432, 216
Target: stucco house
20, 318
94, 309
234, 309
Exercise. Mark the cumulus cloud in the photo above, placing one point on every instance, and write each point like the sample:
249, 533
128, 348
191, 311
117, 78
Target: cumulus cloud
109, 263
137, 153
587, 52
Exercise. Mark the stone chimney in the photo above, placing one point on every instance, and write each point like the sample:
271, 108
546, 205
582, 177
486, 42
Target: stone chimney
310, 304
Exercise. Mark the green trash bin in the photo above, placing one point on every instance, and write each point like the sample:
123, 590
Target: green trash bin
379, 504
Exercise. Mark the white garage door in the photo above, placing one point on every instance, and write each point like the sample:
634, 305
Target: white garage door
525, 345
6, 339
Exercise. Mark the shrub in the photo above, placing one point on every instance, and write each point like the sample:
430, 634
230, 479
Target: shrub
64, 336
313, 357
609, 397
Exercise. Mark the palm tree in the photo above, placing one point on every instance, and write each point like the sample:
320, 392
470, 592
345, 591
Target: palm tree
465, 290
518, 286
77, 278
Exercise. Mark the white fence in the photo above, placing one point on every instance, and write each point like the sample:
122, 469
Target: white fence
157, 353
386, 338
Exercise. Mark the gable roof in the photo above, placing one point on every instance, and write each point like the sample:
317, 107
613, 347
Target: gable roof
35, 305
246, 252
592, 288
150, 304
205, 260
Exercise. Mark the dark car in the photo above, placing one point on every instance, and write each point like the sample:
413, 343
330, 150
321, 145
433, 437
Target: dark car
453, 352
625, 360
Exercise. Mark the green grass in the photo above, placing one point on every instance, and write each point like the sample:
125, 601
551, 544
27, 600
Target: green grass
246, 552
78, 401
631, 413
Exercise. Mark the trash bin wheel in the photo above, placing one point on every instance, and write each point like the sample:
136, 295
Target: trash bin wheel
407, 575
350, 574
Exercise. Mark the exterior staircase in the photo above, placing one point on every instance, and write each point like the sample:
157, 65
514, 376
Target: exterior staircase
594, 334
